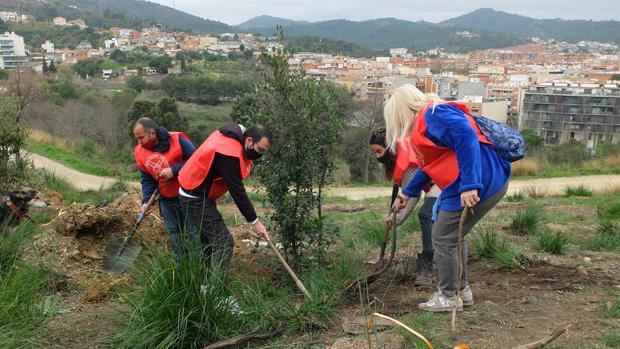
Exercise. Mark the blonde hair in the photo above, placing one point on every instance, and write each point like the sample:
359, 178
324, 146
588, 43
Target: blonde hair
400, 113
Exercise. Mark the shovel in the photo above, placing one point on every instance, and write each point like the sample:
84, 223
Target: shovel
119, 254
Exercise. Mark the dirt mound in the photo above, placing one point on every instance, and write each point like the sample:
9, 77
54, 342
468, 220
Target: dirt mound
80, 220
73, 246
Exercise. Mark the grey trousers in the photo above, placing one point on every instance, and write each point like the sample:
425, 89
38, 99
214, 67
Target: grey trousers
446, 237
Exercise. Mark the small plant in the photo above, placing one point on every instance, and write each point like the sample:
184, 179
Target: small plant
609, 210
533, 192
488, 244
528, 219
607, 238
578, 191
552, 242
516, 197
611, 309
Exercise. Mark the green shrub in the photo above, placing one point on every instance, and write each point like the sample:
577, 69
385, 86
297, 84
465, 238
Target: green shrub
488, 244
578, 191
528, 219
552, 242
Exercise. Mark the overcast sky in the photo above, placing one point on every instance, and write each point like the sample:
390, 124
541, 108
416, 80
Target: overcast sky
235, 12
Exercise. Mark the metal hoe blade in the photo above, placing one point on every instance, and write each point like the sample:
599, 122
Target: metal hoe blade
120, 254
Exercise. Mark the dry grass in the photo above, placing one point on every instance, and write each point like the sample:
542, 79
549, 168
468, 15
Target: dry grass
610, 190
613, 160
45, 138
526, 167
534, 192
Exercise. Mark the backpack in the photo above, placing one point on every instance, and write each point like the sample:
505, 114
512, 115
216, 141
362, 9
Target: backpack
507, 142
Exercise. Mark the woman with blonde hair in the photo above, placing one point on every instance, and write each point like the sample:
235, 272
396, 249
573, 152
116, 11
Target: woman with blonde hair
452, 152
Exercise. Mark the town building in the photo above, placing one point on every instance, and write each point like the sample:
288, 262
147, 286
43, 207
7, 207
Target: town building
12, 51
565, 111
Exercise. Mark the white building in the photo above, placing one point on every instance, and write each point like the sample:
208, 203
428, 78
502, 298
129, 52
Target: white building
59, 21
12, 51
112, 43
8, 16
398, 52
47, 47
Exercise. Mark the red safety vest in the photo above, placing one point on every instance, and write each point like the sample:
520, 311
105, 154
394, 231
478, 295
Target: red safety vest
197, 167
440, 163
153, 162
405, 159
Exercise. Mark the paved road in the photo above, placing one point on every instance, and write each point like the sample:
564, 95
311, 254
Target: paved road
595, 183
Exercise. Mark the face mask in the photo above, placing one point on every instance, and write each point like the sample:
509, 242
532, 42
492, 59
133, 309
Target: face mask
384, 158
252, 154
149, 144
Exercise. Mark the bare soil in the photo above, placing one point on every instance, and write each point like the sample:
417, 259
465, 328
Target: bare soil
512, 306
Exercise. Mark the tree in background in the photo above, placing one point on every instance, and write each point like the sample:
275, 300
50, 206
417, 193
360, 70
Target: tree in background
161, 63
137, 83
18, 93
164, 112
87, 69
306, 117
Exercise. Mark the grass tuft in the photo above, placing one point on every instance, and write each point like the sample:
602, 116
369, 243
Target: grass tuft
607, 238
23, 307
516, 197
611, 309
180, 306
552, 242
527, 220
610, 209
489, 244
578, 191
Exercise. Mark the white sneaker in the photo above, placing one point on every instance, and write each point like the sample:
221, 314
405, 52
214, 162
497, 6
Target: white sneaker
467, 297
440, 303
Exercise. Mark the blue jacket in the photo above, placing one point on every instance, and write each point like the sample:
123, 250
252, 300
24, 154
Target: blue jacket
479, 166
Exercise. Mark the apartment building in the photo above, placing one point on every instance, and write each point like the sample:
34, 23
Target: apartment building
562, 111
12, 51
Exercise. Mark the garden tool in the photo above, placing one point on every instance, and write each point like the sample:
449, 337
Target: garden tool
120, 254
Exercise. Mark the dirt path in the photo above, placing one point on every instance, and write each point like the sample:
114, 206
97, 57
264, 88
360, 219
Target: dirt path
80, 180
557, 185
597, 183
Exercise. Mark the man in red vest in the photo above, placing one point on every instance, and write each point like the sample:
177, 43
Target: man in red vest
160, 155
219, 165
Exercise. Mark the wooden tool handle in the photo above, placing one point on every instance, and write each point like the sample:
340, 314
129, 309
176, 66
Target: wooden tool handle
290, 271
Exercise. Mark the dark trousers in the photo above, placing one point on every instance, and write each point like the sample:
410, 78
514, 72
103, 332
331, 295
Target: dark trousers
425, 214
217, 242
176, 225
